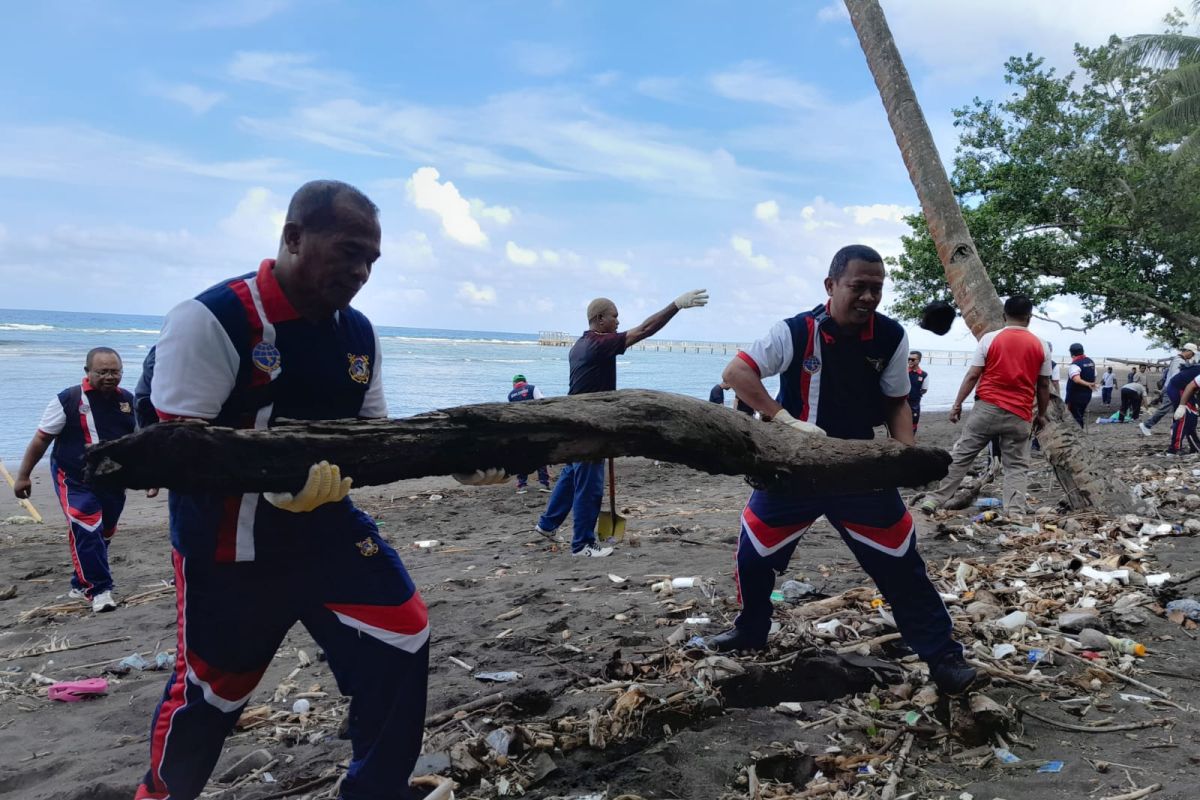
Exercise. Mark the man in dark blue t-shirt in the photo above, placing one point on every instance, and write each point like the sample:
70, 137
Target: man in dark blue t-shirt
593, 360
917, 386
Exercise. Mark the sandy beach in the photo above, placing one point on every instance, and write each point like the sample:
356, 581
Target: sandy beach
605, 705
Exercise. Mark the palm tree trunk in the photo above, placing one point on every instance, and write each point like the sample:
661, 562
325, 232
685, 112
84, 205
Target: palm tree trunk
1084, 478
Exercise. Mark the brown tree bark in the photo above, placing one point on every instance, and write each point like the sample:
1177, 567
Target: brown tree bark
1088, 484
516, 436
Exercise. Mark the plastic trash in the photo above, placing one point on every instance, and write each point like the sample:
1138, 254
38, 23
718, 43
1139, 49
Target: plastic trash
1013, 622
1005, 755
1093, 639
1051, 766
425, 544
163, 660
1189, 607
498, 677
987, 516
697, 621
134, 661
988, 502
777, 596
301, 706
794, 591
1001, 650
74, 691
682, 583
912, 718
500, 740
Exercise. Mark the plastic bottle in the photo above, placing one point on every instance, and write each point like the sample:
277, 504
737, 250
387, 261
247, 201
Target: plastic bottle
987, 516
988, 502
1093, 639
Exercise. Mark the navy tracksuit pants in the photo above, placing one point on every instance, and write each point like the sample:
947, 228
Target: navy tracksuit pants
351, 591
579, 490
880, 532
1183, 433
92, 519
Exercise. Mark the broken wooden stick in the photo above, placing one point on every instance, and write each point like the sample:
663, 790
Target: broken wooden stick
517, 437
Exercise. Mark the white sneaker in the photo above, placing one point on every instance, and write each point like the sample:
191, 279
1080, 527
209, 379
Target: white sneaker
1142, 427
593, 551
78, 594
104, 602
521, 490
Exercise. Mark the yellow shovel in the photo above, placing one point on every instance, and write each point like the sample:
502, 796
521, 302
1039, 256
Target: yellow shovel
33, 512
611, 525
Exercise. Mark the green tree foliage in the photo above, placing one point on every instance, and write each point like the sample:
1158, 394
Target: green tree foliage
1066, 192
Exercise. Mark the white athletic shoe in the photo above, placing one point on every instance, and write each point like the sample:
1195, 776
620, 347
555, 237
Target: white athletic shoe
1142, 427
78, 594
593, 551
103, 602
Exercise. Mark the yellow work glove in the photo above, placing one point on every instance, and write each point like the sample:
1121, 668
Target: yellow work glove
325, 484
481, 477
787, 419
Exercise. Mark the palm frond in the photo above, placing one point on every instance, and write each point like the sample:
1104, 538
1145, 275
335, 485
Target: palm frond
1182, 81
1161, 49
1184, 113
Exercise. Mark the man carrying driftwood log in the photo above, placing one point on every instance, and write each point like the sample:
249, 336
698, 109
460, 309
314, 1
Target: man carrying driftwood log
593, 359
284, 342
843, 371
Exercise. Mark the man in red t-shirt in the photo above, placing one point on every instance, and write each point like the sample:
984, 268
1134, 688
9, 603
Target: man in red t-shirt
1011, 367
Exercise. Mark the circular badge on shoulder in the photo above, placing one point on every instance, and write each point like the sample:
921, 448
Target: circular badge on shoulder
265, 356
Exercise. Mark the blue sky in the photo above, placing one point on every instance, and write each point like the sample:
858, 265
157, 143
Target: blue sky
526, 156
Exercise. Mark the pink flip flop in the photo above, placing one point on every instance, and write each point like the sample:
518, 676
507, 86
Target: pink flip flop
74, 691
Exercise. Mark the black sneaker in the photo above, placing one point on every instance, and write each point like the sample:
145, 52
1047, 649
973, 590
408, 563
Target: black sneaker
953, 675
733, 639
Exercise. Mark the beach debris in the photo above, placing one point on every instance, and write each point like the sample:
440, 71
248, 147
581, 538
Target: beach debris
1186, 608
301, 706
1051, 767
8, 592
426, 544
74, 691
498, 677
134, 661
254, 761
795, 591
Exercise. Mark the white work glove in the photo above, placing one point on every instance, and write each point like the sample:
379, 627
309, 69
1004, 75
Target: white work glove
804, 427
482, 477
325, 484
692, 299
1180, 410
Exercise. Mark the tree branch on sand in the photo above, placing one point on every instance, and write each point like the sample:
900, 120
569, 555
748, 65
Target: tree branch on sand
518, 437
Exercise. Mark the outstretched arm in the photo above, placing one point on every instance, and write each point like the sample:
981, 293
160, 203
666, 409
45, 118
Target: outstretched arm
658, 320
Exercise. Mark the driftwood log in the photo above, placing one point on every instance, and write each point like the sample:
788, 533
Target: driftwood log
516, 436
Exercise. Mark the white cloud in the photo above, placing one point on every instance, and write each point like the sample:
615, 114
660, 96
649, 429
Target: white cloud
550, 257
767, 211
257, 220
282, 70
541, 59
756, 82
193, 97
961, 42
745, 248
606, 78
474, 295
609, 266
833, 12
498, 214
886, 212
519, 255
443, 199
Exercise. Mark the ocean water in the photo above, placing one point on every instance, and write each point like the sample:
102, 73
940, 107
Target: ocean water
42, 352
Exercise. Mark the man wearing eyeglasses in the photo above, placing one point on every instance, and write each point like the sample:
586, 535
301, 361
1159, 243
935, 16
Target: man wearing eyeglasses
918, 381
95, 410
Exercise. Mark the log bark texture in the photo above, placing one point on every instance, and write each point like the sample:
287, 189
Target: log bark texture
1085, 477
516, 436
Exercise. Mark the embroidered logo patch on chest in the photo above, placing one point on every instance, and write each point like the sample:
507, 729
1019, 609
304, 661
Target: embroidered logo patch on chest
367, 547
360, 367
875, 364
812, 365
265, 356
125, 408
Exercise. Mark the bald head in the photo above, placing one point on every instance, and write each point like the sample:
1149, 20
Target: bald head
602, 315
